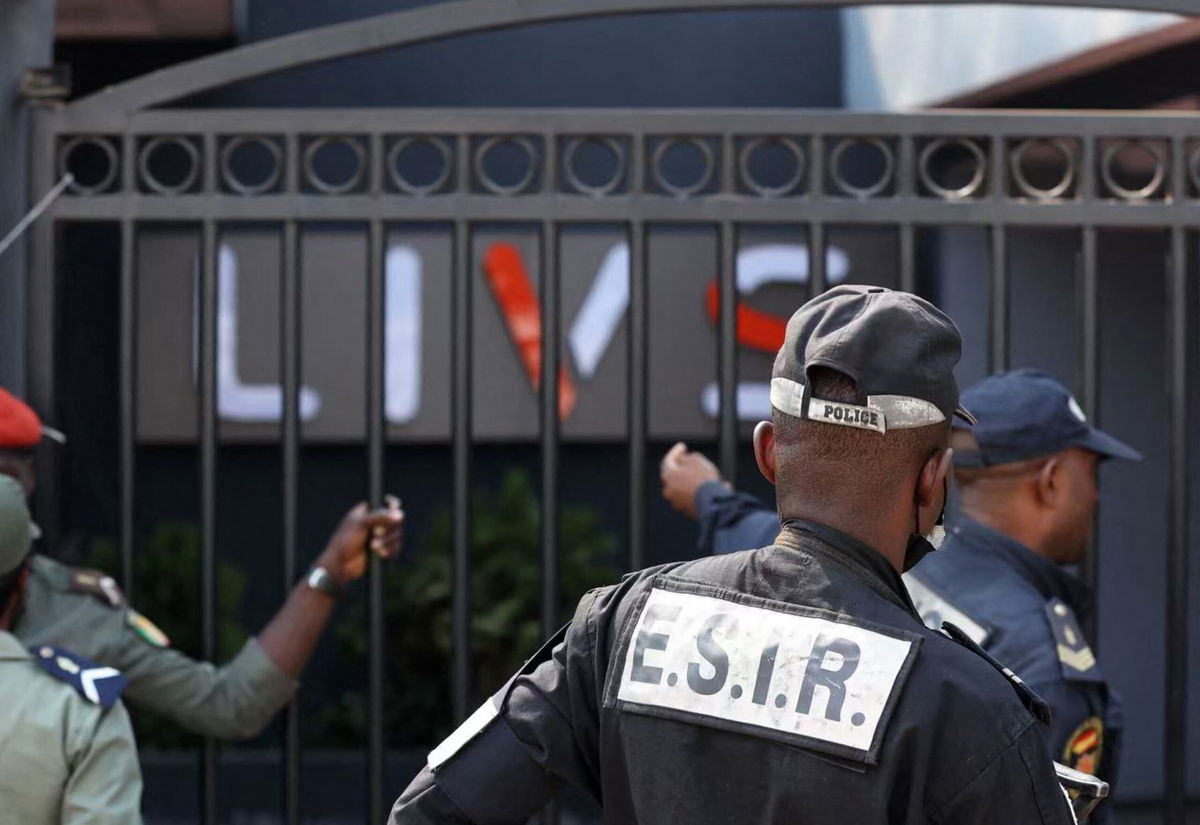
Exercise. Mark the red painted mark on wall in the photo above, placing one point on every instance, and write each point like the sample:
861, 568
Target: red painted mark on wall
522, 312
755, 329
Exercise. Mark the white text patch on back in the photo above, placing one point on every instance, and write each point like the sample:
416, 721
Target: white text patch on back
782, 673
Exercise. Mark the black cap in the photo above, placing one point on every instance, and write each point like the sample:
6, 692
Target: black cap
1027, 414
901, 350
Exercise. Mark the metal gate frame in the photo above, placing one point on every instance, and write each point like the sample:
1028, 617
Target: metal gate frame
125, 123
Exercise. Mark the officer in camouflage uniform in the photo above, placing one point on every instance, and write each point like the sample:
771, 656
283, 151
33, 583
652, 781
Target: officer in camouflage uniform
86, 612
794, 683
67, 755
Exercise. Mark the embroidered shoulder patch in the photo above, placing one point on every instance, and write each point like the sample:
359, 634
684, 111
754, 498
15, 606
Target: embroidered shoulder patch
1075, 657
935, 608
101, 585
147, 629
1085, 746
799, 675
99, 685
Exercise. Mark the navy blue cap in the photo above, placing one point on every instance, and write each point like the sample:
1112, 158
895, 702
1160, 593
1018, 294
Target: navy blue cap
1027, 414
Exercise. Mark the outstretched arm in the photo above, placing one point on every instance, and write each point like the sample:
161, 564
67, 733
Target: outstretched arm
237, 699
729, 521
290, 637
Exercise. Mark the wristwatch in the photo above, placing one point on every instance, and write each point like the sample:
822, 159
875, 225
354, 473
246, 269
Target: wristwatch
322, 581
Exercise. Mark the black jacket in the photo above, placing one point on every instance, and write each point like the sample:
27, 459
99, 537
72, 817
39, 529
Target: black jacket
792, 683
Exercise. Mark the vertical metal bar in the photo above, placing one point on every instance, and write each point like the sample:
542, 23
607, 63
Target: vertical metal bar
816, 258
908, 257
1089, 377
550, 444
1087, 168
291, 163
375, 458
727, 430
639, 361
998, 301
41, 280
816, 230
208, 491
906, 177
460, 322
128, 369
550, 425
208, 470
126, 462
638, 369
1176, 706
998, 281
550, 402
289, 349
729, 182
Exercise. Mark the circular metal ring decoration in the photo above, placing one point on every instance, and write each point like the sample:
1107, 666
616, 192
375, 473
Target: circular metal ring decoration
238, 185
329, 187
110, 154
966, 190
494, 186
404, 184
660, 152
1016, 163
835, 166
756, 186
147, 176
577, 183
1147, 191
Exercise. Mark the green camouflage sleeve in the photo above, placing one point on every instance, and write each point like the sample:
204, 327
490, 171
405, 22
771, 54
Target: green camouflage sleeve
104, 786
234, 701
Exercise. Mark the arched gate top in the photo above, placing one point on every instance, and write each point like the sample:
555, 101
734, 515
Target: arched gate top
449, 19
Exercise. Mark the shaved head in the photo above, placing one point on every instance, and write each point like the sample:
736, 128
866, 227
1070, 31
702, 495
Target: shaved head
823, 464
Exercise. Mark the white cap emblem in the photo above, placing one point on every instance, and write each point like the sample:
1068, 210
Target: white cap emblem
1076, 410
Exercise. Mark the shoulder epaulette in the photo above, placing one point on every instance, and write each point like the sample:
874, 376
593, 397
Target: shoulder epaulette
98, 684
1033, 703
101, 585
1076, 659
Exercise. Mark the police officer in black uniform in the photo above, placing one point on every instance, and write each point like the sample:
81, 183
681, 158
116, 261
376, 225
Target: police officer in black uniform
790, 683
1027, 482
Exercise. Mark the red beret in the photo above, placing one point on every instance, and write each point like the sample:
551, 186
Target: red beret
20, 427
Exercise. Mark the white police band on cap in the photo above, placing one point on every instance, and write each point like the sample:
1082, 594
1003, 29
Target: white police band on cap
882, 412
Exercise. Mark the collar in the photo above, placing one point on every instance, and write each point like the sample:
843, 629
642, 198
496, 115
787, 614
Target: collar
1050, 579
859, 557
11, 648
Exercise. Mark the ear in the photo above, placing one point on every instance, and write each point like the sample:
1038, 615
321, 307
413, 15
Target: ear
764, 449
934, 479
1049, 484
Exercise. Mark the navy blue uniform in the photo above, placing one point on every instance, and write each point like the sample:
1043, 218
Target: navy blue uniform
731, 521
1026, 611
790, 683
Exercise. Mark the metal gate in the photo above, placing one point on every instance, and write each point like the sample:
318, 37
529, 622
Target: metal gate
126, 125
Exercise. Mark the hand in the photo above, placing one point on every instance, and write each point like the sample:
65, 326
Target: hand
345, 556
682, 472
